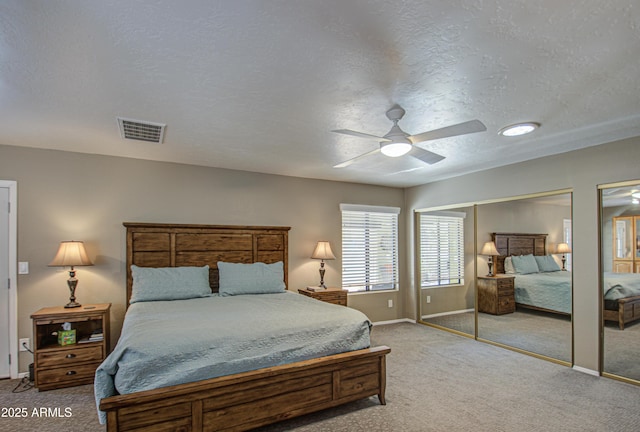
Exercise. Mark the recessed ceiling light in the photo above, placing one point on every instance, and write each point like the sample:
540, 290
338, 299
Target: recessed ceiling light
519, 129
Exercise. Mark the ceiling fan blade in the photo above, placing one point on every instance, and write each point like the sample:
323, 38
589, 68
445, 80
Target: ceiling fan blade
362, 156
360, 135
472, 126
425, 155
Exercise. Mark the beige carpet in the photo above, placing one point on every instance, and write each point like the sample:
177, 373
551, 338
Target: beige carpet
437, 381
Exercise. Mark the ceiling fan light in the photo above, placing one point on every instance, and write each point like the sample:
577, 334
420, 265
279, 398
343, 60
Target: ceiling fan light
518, 129
395, 149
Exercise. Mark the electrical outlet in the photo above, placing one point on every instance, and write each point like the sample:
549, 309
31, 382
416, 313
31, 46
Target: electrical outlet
390, 303
428, 299
24, 342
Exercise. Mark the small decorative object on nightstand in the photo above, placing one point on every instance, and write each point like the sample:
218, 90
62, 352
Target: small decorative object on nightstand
323, 252
330, 295
496, 294
71, 254
58, 364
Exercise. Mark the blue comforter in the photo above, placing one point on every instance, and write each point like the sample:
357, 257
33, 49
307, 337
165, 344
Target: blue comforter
620, 285
165, 343
552, 290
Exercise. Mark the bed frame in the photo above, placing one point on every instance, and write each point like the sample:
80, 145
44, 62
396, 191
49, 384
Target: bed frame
246, 400
622, 311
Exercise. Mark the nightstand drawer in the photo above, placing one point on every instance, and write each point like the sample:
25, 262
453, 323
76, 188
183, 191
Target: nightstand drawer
330, 295
70, 356
505, 285
70, 375
506, 290
335, 298
506, 304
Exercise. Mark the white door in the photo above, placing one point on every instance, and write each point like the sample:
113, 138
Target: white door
4, 280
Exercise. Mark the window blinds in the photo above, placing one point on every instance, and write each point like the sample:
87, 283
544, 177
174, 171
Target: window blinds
369, 248
441, 249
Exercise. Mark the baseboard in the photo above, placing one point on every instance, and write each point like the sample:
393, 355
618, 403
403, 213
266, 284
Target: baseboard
448, 313
23, 375
396, 321
585, 370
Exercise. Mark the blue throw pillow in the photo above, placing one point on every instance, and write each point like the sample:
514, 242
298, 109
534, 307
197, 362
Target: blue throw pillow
256, 278
525, 264
546, 263
169, 283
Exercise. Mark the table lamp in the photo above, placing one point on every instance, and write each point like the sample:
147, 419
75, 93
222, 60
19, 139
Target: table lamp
489, 249
71, 254
323, 252
563, 248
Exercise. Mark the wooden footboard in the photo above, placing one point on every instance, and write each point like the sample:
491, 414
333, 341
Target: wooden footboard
251, 399
628, 311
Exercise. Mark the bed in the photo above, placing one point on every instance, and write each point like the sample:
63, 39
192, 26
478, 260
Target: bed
621, 298
550, 291
233, 392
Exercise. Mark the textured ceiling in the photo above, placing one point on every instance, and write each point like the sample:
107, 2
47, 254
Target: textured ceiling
258, 85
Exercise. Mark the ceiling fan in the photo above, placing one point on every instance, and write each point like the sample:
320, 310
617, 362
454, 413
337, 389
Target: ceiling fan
622, 195
398, 143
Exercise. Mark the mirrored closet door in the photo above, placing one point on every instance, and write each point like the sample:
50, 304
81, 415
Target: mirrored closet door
525, 299
446, 268
620, 264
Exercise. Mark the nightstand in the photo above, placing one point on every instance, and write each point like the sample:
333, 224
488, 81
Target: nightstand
56, 366
330, 295
496, 294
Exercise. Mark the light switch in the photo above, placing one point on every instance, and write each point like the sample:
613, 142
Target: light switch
23, 267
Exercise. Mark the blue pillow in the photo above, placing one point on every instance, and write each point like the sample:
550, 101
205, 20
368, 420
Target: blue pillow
256, 278
169, 283
546, 263
525, 264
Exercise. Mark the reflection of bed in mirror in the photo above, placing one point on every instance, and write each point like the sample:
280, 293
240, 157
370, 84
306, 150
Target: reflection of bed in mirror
550, 290
621, 298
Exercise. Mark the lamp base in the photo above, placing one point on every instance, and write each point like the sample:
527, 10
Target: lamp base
72, 304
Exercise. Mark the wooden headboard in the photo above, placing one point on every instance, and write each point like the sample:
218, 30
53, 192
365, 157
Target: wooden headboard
176, 245
509, 244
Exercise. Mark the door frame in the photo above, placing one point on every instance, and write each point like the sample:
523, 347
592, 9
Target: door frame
13, 275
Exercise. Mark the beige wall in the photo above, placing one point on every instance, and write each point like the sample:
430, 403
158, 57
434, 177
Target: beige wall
72, 196
63, 196
581, 171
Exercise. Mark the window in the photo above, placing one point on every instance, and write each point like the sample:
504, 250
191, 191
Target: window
441, 249
369, 247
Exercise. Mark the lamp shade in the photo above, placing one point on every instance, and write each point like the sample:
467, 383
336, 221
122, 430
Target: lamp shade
489, 248
323, 251
70, 254
563, 248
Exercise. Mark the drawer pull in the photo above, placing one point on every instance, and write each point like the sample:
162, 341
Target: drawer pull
71, 373
70, 356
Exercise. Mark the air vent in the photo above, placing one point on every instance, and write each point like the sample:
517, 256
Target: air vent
141, 130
